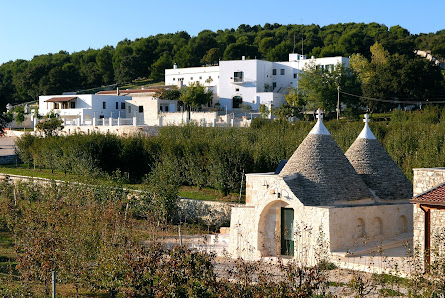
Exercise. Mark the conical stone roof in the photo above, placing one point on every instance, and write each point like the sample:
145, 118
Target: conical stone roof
377, 169
318, 172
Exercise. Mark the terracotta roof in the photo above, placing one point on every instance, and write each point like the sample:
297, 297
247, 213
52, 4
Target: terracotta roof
129, 91
434, 196
60, 99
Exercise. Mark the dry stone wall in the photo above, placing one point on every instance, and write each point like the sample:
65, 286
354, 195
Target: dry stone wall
424, 180
211, 213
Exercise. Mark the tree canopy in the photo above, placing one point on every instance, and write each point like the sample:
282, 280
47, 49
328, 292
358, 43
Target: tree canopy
195, 95
54, 73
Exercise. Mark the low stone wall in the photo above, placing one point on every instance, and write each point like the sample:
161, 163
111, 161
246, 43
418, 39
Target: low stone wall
118, 130
205, 212
211, 213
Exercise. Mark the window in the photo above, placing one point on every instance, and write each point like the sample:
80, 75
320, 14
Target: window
104, 105
191, 78
141, 109
166, 109
101, 116
274, 72
282, 71
237, 89
129, 109
174, 79
295, 75
238, 76
274, 85
117, 105
211, 77
122, 105
72, 105
200, 78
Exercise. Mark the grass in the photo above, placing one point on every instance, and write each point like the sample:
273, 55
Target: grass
206, 194
390, 279
390, 292
7, 252
23, 170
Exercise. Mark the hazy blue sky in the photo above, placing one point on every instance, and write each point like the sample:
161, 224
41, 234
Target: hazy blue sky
30, 27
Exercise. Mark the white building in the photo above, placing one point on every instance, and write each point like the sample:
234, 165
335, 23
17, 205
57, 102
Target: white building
206, 76
82, 108
147, 109
254, 82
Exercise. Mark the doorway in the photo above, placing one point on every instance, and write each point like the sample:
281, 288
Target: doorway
237, 101
287, 231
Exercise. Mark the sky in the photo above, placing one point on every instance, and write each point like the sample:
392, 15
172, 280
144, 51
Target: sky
30, 27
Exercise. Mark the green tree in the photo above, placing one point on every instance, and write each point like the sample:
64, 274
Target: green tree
396, 77
19, 114
169, 94
105, 64
293, 106
51, 126
158, 68
212, 56
319, 86
195, 95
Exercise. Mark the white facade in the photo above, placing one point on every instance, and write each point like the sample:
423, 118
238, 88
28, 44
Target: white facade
83, 107
147, 109
206, 76
254, 82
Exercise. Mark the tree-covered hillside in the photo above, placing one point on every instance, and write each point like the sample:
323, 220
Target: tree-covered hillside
23, 80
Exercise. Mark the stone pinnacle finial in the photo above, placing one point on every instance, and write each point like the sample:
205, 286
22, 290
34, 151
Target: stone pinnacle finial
319, 128
319, 114
366, 118
366, 132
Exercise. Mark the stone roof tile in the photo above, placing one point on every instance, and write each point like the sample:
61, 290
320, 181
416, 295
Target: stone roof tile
377, 169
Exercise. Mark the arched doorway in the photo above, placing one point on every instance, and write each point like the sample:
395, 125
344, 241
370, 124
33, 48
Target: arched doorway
276, 230
236, 101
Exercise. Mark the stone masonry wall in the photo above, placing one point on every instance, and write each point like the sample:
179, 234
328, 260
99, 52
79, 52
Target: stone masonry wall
192, 211
425, 179
205, 212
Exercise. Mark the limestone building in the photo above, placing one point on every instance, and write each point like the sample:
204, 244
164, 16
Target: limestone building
324, 202
429, 213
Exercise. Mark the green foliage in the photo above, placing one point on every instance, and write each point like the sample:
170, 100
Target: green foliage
146, 57
318, 87
51, 126
396, 77
158, 68
169, 94
195, 95
293, 107
264, 111
217, 158
19, 114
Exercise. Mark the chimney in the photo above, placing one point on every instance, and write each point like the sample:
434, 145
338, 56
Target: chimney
117, 91
243, 58
175, 66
